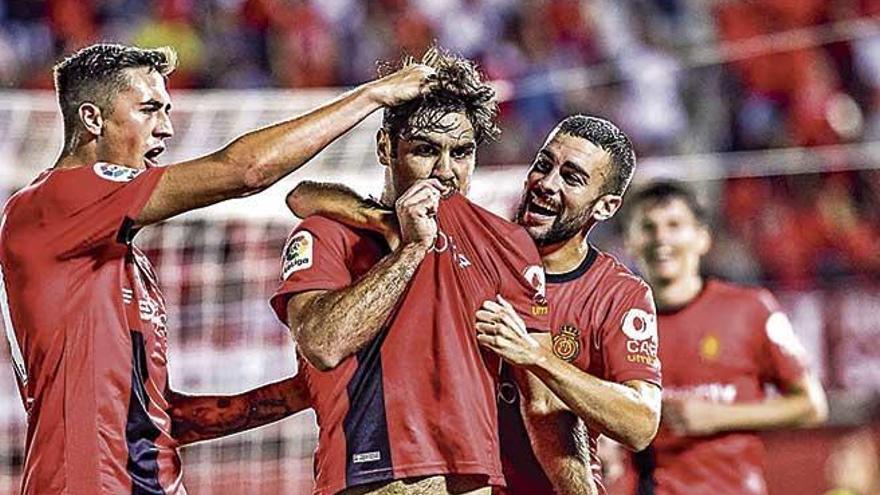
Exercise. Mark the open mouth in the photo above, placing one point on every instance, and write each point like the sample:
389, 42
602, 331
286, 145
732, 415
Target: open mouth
541, 209
152, 154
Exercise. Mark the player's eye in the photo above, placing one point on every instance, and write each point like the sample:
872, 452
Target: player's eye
573, 179
424, 150
462, 152
541, 165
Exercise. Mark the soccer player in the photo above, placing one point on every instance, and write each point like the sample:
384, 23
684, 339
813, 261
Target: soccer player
602, 361
404, 397
81, 305
722, 344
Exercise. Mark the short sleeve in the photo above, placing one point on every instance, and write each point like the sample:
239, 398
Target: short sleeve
522, 281
783, 358
89, 207
314, 258
630, 340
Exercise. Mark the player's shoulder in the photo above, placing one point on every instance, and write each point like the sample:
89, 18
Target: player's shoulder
332, 231
614, 274
732, 292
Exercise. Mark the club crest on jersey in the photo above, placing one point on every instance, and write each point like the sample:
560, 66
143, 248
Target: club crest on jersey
534, 275
298, 253
567, 343
710, 347
115, 173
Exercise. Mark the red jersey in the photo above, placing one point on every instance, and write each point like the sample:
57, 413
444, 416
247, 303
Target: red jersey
724, 346
419, 400
603, 321
86, 326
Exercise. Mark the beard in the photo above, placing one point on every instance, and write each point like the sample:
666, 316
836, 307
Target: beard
565, 226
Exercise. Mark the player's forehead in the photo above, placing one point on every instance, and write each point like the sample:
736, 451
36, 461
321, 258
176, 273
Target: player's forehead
561, 148
145, 85
665, 210
453, 129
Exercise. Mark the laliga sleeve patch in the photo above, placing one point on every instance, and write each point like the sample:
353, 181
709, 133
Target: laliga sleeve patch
298, 253
534, 275
115, 173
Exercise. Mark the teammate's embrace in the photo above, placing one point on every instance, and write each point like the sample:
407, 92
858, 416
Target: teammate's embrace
81, 305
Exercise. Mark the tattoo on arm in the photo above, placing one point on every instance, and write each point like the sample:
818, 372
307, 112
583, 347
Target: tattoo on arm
195, 418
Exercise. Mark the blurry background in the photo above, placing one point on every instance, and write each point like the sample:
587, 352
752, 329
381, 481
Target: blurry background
771, 108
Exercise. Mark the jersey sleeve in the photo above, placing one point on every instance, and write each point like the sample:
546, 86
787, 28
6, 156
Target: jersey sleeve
314, 258
90, 207
783, 359
522, 282
630, 340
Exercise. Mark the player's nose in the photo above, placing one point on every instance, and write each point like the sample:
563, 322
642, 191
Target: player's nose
164, 129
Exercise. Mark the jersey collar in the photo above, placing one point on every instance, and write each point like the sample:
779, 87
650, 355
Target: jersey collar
558, 278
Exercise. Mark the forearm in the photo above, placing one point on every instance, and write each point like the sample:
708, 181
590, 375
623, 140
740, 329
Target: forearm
780, 412
338, 202
619, 411
195, 418
266, 155
558, 438
338, 324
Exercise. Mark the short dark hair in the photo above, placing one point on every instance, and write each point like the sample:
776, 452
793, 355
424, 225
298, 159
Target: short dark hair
662, 192
610, 138
94, 75
460, 88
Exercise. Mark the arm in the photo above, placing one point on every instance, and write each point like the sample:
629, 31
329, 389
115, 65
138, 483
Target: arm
259, 158
195, 418
557, 436
627, 412
340, 203
329, 326
803, 404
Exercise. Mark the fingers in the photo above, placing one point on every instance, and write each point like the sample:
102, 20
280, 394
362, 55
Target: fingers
422, 198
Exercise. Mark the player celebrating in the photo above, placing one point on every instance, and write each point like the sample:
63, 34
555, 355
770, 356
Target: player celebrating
405, 400
603, 360
602, 364
721, 345
81, 307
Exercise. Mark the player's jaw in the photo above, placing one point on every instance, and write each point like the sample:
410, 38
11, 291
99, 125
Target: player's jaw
547, 220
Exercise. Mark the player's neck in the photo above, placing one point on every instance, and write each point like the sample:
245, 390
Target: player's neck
564, 256
677, 293
82, 155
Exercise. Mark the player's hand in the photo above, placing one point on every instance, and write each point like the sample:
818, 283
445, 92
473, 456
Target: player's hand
501, 330
409, 82
690, 417
416, 210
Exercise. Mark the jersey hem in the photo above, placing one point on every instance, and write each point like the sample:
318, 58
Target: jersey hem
496, 479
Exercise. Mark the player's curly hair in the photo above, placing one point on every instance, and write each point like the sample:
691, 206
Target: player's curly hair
95, 75
460, 88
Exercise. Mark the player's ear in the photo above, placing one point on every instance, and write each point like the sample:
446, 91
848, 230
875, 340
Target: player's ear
91, 118
704, 240
383, 147
606, 206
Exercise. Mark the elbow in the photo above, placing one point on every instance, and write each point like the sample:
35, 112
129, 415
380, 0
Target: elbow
296, 202
250, 174
643, 431
817, 412
317, 355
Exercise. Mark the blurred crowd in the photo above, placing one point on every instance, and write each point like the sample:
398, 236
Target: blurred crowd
679, 76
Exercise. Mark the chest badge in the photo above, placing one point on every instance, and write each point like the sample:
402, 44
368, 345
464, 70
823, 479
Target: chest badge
567, 343
710, 347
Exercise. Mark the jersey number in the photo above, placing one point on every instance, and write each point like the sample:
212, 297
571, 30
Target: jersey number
17, 359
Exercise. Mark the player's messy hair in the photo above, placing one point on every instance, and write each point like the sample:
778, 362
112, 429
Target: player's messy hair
95, 75
610, 138
460, 88
661, 192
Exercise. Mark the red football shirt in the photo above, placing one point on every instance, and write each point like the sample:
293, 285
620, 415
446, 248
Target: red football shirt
603, 321
724, 346
420, 399
86, 325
